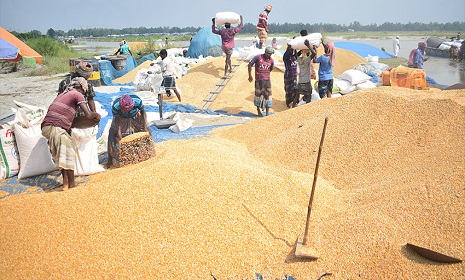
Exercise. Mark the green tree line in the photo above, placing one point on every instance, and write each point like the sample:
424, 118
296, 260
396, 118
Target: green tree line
250, 28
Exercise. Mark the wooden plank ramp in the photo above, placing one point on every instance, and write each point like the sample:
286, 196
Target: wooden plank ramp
208, 100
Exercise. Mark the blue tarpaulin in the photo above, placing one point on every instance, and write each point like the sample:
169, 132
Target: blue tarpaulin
205, 43
108, 73
364, 50
8, 51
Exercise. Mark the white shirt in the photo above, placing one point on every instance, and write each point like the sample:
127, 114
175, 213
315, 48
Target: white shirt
166, 66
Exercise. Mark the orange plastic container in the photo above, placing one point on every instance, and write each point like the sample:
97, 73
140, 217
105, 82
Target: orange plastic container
408, 77
386, 78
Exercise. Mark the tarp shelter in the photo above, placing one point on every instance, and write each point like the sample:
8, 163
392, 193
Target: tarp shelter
23, 49
8, 51
205, 43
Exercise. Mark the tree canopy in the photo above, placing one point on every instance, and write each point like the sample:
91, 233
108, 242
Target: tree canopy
284, 28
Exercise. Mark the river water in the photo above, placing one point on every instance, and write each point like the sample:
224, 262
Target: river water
443, 70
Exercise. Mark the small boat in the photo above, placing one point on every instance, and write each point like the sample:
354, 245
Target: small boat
436, 52
436, 46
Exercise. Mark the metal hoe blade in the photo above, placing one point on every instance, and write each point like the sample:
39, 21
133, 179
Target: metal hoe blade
303, 251
432, 255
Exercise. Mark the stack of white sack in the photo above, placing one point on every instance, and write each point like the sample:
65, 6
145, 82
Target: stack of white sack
352, 79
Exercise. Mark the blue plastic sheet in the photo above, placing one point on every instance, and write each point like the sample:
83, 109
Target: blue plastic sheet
108, 73
364, 50
205, 43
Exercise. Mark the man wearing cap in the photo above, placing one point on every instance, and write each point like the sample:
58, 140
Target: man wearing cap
84, 70
129, 117
227, 41
262, 26
264, 64
418, 55
56, 127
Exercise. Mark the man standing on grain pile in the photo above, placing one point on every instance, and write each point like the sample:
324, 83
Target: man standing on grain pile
262, 26
56, 127
264, 64
227, 41
129, 117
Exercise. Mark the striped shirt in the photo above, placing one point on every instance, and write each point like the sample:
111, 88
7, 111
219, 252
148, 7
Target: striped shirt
262, 17
63, 109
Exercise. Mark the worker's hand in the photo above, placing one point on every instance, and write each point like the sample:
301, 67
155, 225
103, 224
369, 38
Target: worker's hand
307, 43
213, 20
250, 78
426, 59
96, 116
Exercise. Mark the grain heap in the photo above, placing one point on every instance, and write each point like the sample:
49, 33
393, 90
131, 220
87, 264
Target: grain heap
131, 75
135, 148
232, 205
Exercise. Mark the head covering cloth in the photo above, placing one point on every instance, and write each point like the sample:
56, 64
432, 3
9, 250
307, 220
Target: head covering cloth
126, 103
268, 8
331, 52
78, 82
123, 101
83, 69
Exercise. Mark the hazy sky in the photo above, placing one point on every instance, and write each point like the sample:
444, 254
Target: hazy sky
28, 15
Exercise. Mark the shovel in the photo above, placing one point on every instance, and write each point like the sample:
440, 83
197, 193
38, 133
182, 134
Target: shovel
302, 250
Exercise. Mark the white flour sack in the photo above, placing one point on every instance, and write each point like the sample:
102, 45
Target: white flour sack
9, 157
227, 17
34, 152
86, 148
298, 43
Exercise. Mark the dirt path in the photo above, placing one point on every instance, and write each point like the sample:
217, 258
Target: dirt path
37, 90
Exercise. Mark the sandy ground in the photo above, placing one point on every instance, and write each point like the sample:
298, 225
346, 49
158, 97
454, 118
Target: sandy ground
17, 86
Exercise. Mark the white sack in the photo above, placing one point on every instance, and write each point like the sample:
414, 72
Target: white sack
345, 86
366, 85
34, 153
86, 148
227, 17
354, 76
9, 156
298, 42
